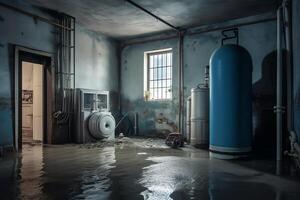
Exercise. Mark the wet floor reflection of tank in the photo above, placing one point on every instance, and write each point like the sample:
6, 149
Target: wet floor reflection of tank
216, 180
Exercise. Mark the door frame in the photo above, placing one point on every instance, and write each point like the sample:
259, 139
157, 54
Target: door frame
47, 59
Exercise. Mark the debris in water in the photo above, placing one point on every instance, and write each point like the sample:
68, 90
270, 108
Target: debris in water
175, 140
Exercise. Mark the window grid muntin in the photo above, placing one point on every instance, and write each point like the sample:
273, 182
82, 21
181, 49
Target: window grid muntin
159, 65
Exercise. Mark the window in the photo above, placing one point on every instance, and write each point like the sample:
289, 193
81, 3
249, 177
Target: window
158, 75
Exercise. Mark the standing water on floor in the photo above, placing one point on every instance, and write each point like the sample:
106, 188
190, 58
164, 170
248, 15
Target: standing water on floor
136, 170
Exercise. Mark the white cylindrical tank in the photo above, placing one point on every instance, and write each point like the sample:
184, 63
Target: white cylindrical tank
102, 125
200, 116
188, 120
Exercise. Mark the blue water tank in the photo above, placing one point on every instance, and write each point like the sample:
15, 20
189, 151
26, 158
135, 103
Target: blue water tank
230, 102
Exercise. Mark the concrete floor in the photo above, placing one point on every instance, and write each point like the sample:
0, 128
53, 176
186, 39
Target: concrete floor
137, 169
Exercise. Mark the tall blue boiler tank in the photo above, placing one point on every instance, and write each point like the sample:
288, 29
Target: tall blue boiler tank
230, 102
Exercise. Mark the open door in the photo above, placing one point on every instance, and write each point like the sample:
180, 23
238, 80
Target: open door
32, 102
34, 99
38, 110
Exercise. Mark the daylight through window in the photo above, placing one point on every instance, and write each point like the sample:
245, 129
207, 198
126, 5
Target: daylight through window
159, 75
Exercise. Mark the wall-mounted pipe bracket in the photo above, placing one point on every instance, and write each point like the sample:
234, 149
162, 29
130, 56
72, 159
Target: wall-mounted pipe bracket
279, 109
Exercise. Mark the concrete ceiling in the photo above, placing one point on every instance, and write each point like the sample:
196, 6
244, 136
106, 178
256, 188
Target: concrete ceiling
120, 20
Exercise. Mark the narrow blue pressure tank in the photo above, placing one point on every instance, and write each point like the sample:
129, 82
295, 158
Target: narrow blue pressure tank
230, 102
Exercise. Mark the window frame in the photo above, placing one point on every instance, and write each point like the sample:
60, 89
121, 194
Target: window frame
147, 96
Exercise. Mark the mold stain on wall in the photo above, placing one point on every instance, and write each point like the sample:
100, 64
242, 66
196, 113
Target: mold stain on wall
259, 39
24, 31
132, 91
19, 30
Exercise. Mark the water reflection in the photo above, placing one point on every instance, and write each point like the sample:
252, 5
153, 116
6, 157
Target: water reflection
169, 178
130, 172
95, 182
230, 186
182, 178
31, 171
57, 172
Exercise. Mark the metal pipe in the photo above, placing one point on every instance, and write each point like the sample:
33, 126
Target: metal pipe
294, 146
232, 26
279, 107
180, 68
136, 123
180, 83
188, 119
74, 65
297, 148
148, 40
206, 76
200, 31
34, 16
289, 72
121, 120
69, 54
293, 140
119, 54
155, 16
62, 65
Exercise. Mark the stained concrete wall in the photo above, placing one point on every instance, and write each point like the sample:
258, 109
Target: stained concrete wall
96, 58
17, 29
132, 89
258, 39
296, 60
97, 63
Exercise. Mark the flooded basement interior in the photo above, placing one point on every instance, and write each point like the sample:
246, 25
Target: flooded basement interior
135, 168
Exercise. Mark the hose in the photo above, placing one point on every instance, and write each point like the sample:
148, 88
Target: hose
122, 119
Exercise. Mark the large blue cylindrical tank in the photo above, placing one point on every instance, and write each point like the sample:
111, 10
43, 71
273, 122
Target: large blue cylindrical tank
230, 102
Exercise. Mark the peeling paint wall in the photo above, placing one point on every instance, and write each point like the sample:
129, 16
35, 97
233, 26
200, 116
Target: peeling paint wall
258, 39
132, 80
96, 58
296, 60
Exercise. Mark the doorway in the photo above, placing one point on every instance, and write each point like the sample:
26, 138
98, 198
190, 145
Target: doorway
33, 97
32, 102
